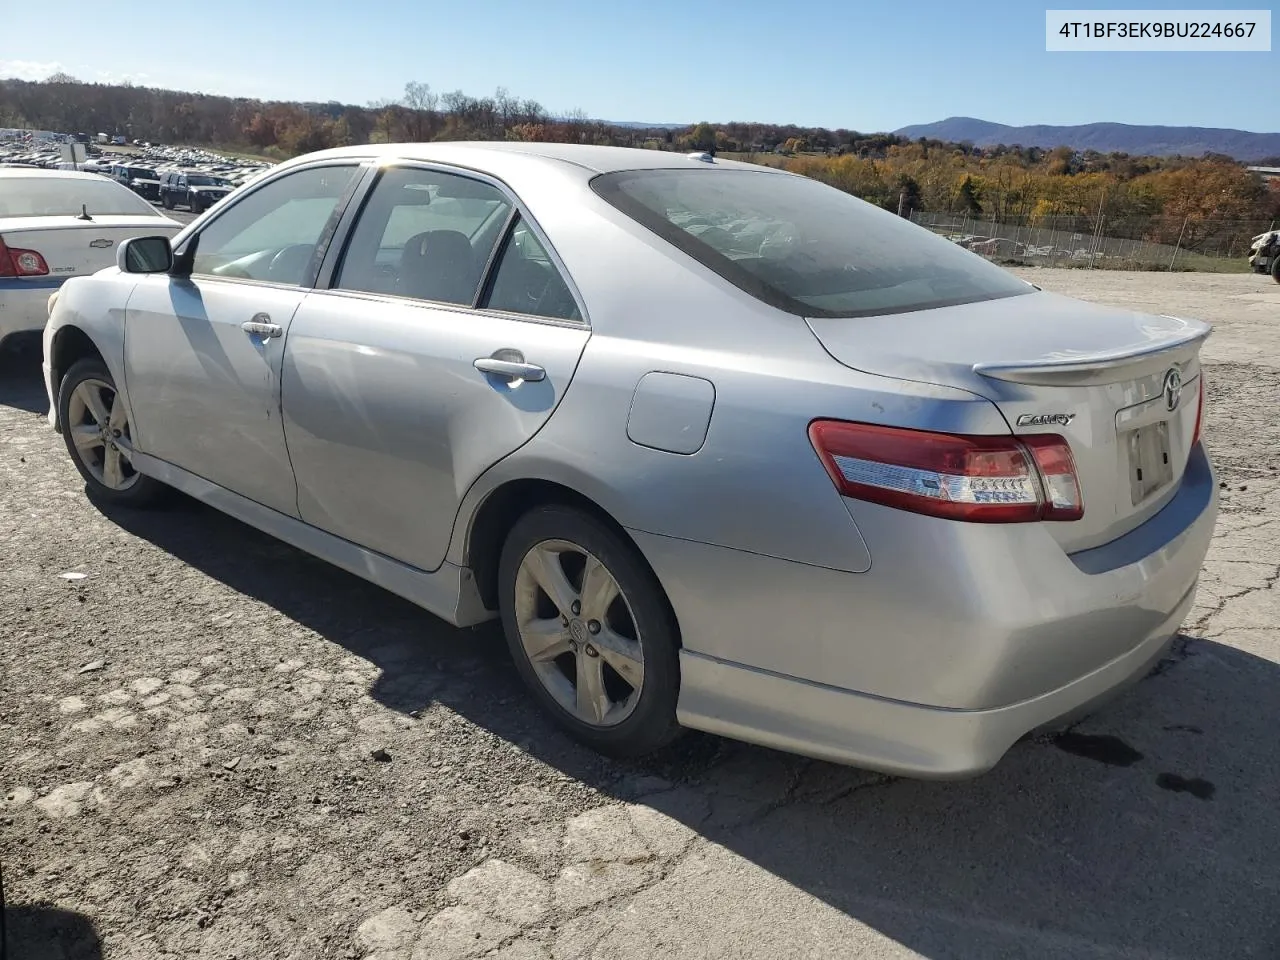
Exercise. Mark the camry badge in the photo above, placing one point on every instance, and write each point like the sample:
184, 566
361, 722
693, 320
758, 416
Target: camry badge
100, 243
1045, 419
1172, 388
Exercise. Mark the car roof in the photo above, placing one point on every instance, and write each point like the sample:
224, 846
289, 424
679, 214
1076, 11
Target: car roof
51, 174
595, 159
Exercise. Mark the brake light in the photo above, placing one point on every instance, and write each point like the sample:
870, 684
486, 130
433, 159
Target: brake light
16, 262
1195, 434
979, 479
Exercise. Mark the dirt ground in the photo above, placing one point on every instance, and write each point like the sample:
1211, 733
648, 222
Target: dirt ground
214, 746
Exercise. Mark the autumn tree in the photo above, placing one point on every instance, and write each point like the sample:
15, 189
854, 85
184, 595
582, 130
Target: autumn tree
908, 194
703, 137
420, 103
967, 196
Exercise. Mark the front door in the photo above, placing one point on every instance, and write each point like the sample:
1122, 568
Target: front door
203, 353
415, 373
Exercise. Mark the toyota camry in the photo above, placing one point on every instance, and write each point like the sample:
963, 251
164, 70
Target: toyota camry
722, 447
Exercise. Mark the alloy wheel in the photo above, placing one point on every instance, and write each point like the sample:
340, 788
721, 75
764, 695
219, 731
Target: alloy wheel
579, 633
99, 429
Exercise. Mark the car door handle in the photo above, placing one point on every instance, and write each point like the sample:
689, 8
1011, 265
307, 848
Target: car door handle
260, 326
511, 369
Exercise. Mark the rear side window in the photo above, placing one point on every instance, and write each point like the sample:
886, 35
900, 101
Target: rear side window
424, 234
803, 246
526, 281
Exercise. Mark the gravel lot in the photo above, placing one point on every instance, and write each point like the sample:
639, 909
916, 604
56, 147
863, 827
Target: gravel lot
214, 746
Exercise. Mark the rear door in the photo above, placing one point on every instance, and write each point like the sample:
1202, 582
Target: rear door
447, 338
203, 353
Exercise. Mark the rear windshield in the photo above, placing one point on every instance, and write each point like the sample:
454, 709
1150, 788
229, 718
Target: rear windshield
803, 246
69, 196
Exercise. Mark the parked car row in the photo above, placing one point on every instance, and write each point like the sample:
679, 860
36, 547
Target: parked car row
170, 176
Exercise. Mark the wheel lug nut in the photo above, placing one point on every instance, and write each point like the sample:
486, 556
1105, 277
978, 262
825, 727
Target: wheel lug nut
592, 651
576, 607
594, 626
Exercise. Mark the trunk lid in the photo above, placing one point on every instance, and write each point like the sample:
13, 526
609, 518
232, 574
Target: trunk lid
73, 247
1101, 377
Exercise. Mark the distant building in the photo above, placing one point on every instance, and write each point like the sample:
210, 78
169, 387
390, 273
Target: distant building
1266, 173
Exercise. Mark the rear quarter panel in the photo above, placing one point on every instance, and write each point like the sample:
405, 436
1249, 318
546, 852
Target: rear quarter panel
755, 484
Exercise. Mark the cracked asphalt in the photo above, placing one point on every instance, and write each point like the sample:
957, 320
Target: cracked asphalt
214, 746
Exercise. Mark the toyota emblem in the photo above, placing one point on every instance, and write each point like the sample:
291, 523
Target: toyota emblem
1172, 388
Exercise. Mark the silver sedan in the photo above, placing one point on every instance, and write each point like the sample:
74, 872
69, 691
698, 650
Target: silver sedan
723, 447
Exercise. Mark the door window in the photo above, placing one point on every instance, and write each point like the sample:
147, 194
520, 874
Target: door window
526, 281
272, 233
424, 234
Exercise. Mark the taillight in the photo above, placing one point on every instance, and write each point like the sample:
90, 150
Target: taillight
16, 262
1062, 497
1195, 434
1003, 479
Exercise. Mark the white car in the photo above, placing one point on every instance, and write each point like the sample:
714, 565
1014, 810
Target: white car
58, 224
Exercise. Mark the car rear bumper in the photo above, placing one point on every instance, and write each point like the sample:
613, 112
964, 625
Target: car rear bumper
905, 739
24, 303
942, 655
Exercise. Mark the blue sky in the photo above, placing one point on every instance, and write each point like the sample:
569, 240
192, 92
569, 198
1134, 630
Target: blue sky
868, 66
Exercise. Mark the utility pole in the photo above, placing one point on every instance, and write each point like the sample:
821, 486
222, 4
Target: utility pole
1180, 235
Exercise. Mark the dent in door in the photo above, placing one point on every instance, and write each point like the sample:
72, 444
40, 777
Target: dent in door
671, 412
389, 422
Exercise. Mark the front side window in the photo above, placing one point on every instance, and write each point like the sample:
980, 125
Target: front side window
803, 246
526, 281
424, 234
272, 233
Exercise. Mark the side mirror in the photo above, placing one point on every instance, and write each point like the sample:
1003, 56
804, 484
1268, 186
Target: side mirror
145, 255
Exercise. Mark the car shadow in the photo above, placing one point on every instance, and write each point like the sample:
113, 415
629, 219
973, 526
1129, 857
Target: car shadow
43, 932
21, 384
1150, 829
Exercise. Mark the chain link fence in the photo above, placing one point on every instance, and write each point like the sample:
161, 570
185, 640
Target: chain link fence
1118, 243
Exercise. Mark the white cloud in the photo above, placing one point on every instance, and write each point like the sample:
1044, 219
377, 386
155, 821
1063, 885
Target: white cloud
110, 76
29, 69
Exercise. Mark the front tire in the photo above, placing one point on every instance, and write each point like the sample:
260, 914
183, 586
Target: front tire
95, 427
1275, 268
591, 631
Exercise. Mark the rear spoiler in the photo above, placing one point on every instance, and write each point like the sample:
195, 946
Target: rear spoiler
1098, 367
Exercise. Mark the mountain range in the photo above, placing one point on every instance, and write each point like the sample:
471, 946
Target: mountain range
1105, 138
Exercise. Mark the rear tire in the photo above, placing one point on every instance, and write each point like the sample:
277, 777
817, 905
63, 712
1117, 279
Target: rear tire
602, 658
95, 428
166, 201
